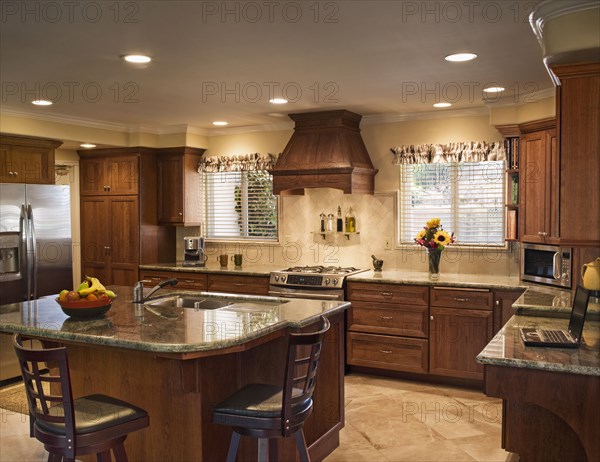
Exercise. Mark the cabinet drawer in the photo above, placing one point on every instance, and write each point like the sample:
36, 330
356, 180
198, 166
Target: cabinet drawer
253, 285
473, 299
386, 352
385, 318
190, 281
388, 293
154, 278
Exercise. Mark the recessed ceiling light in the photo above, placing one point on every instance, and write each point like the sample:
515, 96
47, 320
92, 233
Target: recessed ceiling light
494, 89
442, 105
220, 123
460, 57
137, 59
41, 102
278, 101
87, 145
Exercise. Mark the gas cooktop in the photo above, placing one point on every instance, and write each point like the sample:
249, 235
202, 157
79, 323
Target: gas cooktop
313, 276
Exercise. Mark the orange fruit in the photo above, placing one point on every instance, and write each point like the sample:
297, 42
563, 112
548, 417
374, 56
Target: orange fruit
91, 297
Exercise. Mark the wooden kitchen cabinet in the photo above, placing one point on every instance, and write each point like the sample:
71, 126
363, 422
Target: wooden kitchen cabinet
27, 160
179, 189
388, 326
115, 175
119, 230
503, 310
110, 246
539, 167
461, 325
187, 281
250, 285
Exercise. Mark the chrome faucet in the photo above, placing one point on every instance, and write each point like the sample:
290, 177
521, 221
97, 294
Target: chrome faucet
138, 290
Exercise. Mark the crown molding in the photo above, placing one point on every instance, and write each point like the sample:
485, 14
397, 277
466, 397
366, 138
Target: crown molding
442, 114
527, 98
552, 9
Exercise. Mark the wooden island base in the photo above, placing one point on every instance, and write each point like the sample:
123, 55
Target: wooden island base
180, 391
547, 416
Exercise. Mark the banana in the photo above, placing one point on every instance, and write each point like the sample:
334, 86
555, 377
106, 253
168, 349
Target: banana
95, 286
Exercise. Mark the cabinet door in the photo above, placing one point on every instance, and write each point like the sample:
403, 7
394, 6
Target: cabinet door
391, 319
7, 168
534, 187
124, 240
503, 310
456, 337
35, 165
253, 285
93, 178
95, 235
124, 176
170, 190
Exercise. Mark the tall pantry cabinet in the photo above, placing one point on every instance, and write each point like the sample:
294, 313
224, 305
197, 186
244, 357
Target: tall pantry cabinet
118, 210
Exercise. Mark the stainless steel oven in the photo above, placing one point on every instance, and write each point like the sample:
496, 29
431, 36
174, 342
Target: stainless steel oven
314, 282
546, 264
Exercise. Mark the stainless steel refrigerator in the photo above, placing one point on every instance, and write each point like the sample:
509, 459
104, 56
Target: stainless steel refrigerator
35, 241
35, 249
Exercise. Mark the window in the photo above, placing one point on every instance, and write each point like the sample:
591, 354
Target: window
240, 206
467, 196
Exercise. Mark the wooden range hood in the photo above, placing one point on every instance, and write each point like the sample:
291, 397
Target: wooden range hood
325, 151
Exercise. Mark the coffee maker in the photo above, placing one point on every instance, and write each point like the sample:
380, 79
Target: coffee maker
193, 251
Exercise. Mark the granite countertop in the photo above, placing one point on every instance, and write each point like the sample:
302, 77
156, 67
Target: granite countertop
508, 349
248, 269
164, 329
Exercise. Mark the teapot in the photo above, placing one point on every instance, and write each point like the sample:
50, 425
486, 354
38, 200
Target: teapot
590, 275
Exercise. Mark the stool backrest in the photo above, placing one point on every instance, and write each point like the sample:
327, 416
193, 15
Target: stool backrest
303, 356
38, 368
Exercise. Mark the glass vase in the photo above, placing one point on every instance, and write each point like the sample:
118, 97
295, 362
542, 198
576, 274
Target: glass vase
433, 258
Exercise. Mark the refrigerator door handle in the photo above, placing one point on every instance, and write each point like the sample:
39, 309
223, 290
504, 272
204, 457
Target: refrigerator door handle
24, 257
34, 260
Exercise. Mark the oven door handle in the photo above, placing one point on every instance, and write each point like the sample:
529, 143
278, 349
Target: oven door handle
314, 296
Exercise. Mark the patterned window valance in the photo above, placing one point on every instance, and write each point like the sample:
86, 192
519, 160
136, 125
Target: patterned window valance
474, 151
241, 163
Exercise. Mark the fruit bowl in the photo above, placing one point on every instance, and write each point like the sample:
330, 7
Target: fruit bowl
85, 308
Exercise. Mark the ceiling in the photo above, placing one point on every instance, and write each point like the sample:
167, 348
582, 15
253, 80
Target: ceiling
225, 60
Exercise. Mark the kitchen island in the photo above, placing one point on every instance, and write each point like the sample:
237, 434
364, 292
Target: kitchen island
178, 363
550, 396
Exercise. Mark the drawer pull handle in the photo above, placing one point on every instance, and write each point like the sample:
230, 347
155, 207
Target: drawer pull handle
387, 318
457, 299
238, 284
386, 294
386, 352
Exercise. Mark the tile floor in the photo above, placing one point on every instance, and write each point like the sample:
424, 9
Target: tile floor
387, 420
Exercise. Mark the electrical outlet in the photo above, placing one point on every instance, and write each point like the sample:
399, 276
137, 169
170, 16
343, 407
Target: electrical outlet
388, 243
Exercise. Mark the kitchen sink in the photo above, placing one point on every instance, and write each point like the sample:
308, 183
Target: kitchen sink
189, 301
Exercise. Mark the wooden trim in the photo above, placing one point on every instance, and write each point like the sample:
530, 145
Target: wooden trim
538, 125
509, 131
29, 141
574, 70
180, 150
112, 152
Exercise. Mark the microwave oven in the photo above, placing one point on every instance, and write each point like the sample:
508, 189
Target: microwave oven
546, 264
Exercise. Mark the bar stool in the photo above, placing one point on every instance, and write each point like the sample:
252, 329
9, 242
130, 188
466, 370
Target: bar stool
93, 424
269, 411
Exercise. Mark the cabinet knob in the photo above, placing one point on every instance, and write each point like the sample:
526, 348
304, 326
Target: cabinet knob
497, 302
180, 214
431, 317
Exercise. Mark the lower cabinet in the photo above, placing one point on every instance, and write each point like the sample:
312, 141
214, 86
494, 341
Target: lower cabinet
408, 328
186, 281
251, 285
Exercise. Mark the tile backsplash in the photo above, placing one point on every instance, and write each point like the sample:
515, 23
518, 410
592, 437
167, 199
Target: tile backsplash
301, 243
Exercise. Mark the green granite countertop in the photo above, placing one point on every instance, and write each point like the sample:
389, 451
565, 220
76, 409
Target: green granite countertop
248, 269
507, 348
166, 330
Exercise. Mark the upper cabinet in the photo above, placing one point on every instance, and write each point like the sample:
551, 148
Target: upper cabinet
27, 160
114, 175
539, 202
578, 103
179, 198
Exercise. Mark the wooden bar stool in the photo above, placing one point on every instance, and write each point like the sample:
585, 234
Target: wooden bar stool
94, 424
269, 411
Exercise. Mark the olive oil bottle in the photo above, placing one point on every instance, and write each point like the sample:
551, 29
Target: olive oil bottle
350, 222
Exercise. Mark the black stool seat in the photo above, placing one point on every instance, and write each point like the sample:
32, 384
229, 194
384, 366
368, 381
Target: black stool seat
94, 424
93, 413
270, 411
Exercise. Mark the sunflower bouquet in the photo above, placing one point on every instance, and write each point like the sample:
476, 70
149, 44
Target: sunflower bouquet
432, 236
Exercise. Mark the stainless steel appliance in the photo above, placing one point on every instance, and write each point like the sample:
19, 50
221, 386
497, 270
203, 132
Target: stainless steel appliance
316, 282
35, 248
193, 251
546, 264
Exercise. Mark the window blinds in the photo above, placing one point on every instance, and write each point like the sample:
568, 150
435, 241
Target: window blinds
240, 205
468, 197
